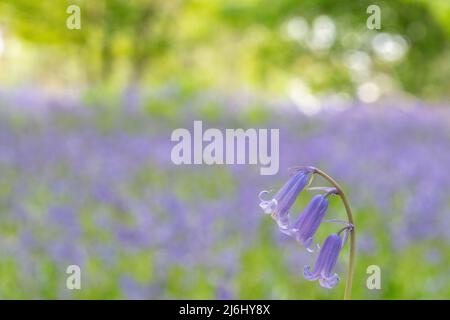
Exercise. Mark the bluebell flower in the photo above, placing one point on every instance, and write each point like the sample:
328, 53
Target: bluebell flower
309, 221
283, 200
328, 255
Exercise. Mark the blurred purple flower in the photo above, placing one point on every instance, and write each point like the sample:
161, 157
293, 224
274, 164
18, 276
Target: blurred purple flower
105, 190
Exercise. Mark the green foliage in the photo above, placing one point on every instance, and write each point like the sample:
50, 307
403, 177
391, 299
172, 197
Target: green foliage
228, 44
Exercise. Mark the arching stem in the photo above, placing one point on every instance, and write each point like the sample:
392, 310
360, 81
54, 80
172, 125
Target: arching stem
351, 262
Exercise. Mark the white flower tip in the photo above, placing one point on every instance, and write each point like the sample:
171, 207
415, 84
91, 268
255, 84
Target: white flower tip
309, 250
268, 206
264, 192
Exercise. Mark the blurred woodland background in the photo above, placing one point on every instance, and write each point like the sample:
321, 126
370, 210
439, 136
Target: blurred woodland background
85, 122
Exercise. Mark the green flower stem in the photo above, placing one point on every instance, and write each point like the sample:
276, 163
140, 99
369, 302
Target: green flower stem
351, 262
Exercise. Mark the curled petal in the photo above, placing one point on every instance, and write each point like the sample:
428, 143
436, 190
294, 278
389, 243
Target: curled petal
264, 192
283, 222
311, 250
268, 206
329, 282
307, 243
286, 231
311, 276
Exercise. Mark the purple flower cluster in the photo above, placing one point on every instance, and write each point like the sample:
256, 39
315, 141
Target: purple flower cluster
80, 185
307, 223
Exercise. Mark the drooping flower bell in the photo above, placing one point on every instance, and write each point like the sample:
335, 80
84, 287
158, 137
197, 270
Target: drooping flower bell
283, 200
309, 221
326, 261
307, 224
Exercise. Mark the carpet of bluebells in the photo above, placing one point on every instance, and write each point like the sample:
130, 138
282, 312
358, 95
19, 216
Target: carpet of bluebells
89, 181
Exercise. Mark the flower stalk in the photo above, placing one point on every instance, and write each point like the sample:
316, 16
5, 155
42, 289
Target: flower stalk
307, 223
351, 261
